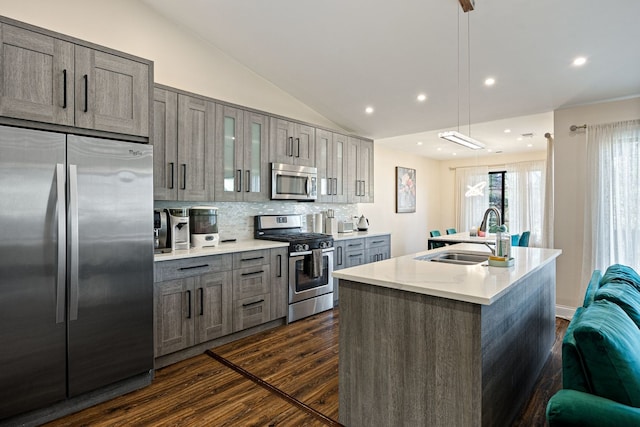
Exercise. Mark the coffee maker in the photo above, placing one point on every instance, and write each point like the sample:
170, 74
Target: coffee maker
203, 221
179, 228
160, 231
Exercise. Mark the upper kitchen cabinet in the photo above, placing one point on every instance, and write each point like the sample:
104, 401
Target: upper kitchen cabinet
183, 146
112, 93
50, 78
196, 153
359, 170
331, 163
242, 164
291, 143
165, 144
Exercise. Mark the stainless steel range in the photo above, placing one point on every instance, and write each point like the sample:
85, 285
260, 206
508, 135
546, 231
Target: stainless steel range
310, 263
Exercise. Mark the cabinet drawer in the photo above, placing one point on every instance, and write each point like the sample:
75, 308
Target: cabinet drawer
179, 268
252, 311
354, 245
250, 258
251, 281
378, 241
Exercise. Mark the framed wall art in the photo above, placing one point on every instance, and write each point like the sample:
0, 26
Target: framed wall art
405, 190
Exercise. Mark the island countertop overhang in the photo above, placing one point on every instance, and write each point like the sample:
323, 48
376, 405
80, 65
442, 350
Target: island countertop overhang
478, 284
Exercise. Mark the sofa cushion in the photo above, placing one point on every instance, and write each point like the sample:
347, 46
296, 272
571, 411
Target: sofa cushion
609, 345
592, 287
621, 273
625, 296
573, 376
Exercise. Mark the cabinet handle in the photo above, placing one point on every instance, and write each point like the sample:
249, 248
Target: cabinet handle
201, 301
335, 186
184, 176
279, 258
363, 187
253, 303
86, 93
297, 147
64, 89
355, 255
252, 259
252, 273
247, 182
238, 180
290, 147
188, 304
193, 266
354, 245
171, 175
339, 255
377, 241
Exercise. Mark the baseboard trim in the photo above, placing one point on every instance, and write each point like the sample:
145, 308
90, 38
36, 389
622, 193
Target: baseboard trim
565, 312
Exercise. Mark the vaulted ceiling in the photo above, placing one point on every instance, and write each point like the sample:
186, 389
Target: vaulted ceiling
339, 57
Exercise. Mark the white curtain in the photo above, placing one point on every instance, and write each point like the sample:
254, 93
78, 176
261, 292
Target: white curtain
612, 202
548, 209
526, 195
472, 196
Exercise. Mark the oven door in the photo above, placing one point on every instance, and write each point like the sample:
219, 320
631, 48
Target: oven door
302, 284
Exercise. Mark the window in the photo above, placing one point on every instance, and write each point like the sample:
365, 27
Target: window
497, 196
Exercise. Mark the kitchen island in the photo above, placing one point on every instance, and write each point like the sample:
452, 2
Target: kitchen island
429, 343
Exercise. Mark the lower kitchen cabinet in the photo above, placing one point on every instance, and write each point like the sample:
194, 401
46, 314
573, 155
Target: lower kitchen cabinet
192, 310
199, 299
357, 251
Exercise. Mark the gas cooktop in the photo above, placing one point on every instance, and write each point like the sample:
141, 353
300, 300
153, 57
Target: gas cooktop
288, 228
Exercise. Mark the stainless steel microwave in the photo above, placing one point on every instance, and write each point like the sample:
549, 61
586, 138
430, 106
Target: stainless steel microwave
291, 182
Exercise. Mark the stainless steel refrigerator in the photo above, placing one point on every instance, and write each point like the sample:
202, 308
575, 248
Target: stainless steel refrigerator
76, 265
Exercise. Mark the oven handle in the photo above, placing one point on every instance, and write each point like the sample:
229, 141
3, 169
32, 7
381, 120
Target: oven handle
298, 254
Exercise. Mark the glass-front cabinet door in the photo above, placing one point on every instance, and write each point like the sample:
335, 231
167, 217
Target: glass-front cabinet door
241, 155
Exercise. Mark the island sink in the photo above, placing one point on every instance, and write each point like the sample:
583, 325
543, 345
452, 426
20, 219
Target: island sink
450, 257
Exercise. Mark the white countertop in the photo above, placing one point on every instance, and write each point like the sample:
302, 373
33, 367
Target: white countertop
358, 234
479, 283
222, 248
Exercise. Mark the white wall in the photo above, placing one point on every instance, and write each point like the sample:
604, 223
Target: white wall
570, 178
181, 60
408, 230
495, 162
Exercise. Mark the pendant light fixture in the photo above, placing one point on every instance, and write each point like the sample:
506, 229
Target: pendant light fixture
456, 136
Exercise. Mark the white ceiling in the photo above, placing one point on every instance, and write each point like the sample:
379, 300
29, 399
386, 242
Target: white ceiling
339, 57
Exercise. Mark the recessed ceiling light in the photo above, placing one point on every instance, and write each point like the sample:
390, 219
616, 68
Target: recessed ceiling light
489, 150
507, 131
422, 97
419, 143
529, 145
368, 110
490, 81
579, 61
454, 154
519, 138
439, 148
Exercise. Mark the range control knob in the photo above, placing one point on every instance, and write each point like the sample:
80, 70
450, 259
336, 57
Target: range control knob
305, 247
326, 244
298, 248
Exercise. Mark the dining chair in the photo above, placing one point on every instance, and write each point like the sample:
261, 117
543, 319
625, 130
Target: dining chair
433, 245
524, 239
451, 231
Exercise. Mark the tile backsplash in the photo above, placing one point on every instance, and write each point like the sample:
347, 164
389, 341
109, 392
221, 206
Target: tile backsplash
235, 219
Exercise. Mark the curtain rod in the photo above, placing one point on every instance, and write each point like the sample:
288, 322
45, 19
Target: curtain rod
574, 128
497, 164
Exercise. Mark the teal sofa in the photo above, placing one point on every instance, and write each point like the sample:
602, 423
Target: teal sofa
601, 355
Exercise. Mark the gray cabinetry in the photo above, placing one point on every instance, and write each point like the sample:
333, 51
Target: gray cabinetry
292, 143
359, 170
279, 282
251, 289
241, 155
354, 253
50, 80
165, 144
331, 163
378, 248
192, 302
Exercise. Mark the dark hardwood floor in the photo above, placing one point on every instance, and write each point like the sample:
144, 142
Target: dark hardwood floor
291, 379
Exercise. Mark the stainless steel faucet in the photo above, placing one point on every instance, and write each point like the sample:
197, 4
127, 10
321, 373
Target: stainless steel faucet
483, 224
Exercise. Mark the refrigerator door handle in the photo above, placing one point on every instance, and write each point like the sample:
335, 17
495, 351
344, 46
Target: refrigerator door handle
73, 214
62, 243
